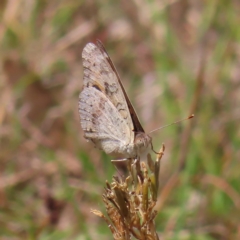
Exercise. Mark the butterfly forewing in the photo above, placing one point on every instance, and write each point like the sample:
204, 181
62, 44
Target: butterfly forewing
136, 123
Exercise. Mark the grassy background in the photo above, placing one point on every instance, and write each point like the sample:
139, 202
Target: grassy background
174, 58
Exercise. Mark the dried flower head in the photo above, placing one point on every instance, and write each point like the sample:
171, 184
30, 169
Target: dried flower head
130, 200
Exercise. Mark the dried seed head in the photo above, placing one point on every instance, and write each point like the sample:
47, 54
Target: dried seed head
130, 201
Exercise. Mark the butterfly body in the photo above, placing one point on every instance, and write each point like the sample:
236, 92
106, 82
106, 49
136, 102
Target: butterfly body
107, 116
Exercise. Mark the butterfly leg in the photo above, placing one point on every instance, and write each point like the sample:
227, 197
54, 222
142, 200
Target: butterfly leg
153, 149
120, 160
123, 165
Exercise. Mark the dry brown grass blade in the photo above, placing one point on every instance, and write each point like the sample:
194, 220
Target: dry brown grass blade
75, 35
224, 186
26, 175
185, 139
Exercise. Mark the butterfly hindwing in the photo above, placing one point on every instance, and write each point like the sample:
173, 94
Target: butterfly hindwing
101, 121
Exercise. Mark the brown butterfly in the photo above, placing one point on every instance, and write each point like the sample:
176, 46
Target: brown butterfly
107, 116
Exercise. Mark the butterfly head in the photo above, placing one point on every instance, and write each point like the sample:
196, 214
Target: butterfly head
142, 141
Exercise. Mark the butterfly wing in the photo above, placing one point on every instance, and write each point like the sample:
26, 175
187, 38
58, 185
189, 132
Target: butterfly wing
136, 123
101, 83
102, 122
98, 73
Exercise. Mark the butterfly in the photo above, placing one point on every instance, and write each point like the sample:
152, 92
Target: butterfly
107, 116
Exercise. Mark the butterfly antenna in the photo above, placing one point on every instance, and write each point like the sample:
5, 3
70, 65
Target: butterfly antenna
171, 124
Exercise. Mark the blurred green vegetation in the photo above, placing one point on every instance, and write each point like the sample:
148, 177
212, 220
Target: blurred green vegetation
175, 58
